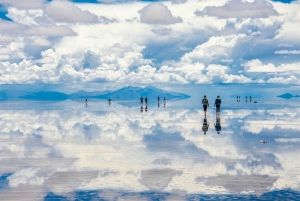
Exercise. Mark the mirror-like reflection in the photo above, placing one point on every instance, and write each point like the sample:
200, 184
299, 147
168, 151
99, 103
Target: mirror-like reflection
114, 151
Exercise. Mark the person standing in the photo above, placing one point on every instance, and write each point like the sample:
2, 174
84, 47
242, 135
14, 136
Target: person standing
218, 104
141, 98
205, 104
146, 100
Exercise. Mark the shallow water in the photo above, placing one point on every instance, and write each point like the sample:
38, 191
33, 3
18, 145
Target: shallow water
67, 151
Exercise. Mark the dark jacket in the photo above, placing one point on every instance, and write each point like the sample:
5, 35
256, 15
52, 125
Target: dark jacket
218, 102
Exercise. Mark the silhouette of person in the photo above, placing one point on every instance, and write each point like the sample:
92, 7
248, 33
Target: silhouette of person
250, 99
146, 100
158, 98
218, 122
237, 99
218, 103
141, 98
85, 101
205, 104
164, 104
146, 109
141, 108
205, 126
109, 101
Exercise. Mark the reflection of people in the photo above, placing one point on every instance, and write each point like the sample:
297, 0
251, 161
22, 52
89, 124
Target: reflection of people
218, 103
141, 108
146, 109
205, 104
218, 122
158, 104
205, 126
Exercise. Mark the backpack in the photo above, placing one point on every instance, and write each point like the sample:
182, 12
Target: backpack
204, 101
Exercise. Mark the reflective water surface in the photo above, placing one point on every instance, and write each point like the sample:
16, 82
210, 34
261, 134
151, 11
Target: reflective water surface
67, 151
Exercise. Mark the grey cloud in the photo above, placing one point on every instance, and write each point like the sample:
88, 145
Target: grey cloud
240, 9
157, 13
239, 183
64, 11
23, 3
158, 179
50, 31
64, 182
105, 20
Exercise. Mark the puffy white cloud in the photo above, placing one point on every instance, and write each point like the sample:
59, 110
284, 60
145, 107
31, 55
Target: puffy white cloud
257, 66
157, 13
241, 9
65, 11
216, 48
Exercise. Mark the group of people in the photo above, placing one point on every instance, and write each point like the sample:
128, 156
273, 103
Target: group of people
238, 99
146, 101
217, 104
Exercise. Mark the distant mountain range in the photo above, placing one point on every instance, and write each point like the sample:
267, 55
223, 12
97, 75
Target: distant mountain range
126, 93
288, 96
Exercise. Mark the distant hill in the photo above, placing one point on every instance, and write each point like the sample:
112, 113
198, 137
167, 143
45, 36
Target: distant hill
82, 94
46, 96
126, 93
288, 96
134, 93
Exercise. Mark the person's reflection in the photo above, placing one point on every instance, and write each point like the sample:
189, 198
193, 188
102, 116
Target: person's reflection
142, 108
146, 109
158, 104
205, 125
218, 122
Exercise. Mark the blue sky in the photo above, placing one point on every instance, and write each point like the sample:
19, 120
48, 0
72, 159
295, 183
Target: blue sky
145, 42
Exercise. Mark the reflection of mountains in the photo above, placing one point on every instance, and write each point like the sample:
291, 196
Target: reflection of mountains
126, 93
288, 96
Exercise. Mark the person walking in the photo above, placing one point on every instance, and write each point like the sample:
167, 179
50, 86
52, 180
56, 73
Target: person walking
141, 98
218, 104
146, 100
205, 104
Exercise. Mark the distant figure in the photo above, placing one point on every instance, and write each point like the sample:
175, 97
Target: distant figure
164, 104
246, 98
85, 101
158, 98
237, 99
146, 100
109, 101
205, 104
146, 109
158, 104
218, 103
205, 126
218, 123
262, 142
250, 99
164, 99
141, 108
141, 98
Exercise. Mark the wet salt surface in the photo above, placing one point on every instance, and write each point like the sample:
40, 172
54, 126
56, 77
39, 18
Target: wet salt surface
67, 151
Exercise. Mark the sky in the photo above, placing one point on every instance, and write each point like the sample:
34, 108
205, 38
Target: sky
119, 42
